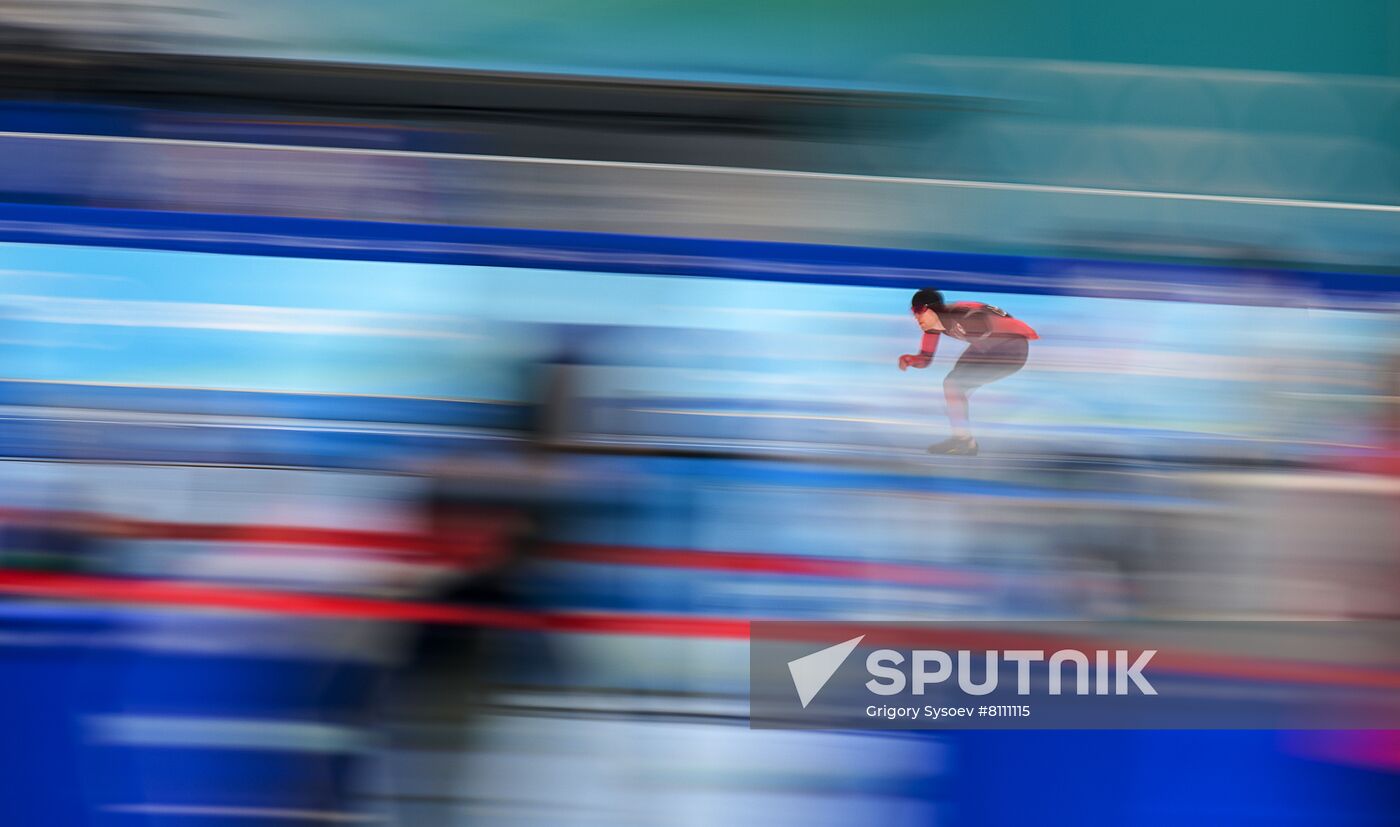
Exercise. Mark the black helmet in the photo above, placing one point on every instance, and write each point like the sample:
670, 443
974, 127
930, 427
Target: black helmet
927, 297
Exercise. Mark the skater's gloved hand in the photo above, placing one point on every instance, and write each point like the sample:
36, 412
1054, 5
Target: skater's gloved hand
914, 360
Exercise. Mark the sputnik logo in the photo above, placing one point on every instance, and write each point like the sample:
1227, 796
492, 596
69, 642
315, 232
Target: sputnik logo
811, 672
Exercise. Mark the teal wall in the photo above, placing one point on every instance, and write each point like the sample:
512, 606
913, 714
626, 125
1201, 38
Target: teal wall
1296, 99
1268, 98
834, 40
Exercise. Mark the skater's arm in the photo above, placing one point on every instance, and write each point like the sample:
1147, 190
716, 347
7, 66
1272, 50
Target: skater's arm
927, 347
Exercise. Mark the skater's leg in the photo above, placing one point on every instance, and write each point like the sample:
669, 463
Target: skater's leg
979, 365
955, 396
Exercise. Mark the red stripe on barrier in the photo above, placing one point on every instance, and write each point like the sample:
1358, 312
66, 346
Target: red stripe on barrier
418, 547
199, 596
380, 541
618, 623
760, 563
391, 542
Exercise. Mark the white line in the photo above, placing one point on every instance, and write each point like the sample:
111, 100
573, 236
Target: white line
1146, 70
771, 415
1332, 482
242, 318
722, 170
87, 416
240, 812
153, 386
226, 733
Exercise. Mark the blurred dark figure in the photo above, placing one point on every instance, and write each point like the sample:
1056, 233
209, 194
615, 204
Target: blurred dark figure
46, 526
487, 518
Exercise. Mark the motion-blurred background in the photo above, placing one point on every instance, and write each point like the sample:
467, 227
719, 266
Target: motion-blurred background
406, 406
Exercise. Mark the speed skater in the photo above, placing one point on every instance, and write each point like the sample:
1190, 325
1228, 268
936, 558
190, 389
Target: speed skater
997, 345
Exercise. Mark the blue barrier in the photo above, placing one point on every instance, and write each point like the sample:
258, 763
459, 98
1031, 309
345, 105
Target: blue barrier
654, 255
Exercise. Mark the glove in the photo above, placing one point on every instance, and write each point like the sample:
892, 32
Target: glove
914, 360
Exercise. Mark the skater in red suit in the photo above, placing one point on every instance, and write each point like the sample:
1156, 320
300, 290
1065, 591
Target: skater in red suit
997, 345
